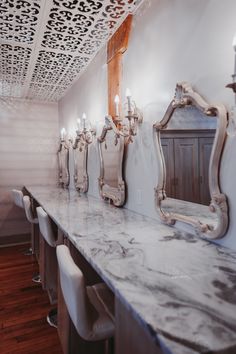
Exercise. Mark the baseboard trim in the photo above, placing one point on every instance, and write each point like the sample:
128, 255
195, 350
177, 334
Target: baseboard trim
13, 240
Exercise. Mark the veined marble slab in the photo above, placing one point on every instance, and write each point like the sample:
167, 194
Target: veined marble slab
181, 288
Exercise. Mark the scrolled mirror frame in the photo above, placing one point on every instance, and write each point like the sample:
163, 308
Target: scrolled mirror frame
185, 96
82, 145
117, 195
63, 146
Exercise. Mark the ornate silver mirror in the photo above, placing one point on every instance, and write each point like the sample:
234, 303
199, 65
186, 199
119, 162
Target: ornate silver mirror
63, 159
84, 137
111, 152
80, 152
190, 140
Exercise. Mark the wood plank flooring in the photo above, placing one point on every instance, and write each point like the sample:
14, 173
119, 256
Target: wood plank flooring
23, 307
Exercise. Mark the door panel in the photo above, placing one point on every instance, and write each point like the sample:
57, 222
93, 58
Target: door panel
186, 169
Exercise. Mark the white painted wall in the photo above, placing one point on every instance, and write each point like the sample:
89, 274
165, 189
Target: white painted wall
171, 41
28, 145
89, 95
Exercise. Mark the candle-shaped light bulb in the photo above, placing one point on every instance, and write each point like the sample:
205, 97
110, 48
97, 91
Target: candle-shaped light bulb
117, 101
234, 42
89, 124
234, 46
84, 120
79, 124
70, 138
128, 96
63, 133
127, 92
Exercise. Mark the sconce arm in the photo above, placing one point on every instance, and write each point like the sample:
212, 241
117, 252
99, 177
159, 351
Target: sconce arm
127, 131
64, 144
232, 86
85, 136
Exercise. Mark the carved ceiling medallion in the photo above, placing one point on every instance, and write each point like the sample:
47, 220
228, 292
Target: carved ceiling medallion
45, 45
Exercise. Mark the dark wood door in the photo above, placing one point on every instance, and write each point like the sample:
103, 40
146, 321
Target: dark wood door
187, 169
187, 157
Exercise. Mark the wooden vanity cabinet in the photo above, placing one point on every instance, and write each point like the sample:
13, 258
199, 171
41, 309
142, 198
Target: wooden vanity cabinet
187, 156
131, 337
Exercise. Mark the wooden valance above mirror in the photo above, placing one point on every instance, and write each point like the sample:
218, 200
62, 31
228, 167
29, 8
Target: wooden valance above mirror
189, 142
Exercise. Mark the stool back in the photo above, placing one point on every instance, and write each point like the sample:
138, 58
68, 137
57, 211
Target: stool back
28, 210
17, 197
45, 227
74, 292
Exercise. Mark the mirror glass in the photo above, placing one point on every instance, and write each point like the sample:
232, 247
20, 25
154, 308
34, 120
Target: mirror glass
111, 182
63, 159
80, 152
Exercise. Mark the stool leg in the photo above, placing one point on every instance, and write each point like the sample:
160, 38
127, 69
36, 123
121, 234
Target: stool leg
33, 235
51, 273
35, 238
28, 252
109, 346
35, 248
36, 278
52, 318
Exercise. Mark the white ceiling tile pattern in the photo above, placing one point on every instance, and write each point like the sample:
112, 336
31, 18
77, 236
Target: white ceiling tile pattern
45, 45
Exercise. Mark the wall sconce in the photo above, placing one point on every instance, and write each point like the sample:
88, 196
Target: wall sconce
232, 85
134, 116
65, 139
63, 134
84, 137
231, 130
84, 133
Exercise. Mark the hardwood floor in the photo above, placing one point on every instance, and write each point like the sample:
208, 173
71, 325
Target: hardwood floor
23, 307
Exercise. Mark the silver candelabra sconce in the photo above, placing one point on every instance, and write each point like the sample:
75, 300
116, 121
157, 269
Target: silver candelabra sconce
84, 136
134, 116
85, 132
232, 85
232, 114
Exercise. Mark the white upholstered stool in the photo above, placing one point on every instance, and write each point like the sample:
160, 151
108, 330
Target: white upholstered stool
17, 197
28, 210
45, 227
48, 260
90, 307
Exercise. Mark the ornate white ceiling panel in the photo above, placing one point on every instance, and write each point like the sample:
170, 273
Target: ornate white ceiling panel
45, 45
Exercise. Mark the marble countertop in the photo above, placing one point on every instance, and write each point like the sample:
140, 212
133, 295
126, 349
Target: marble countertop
181, 288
